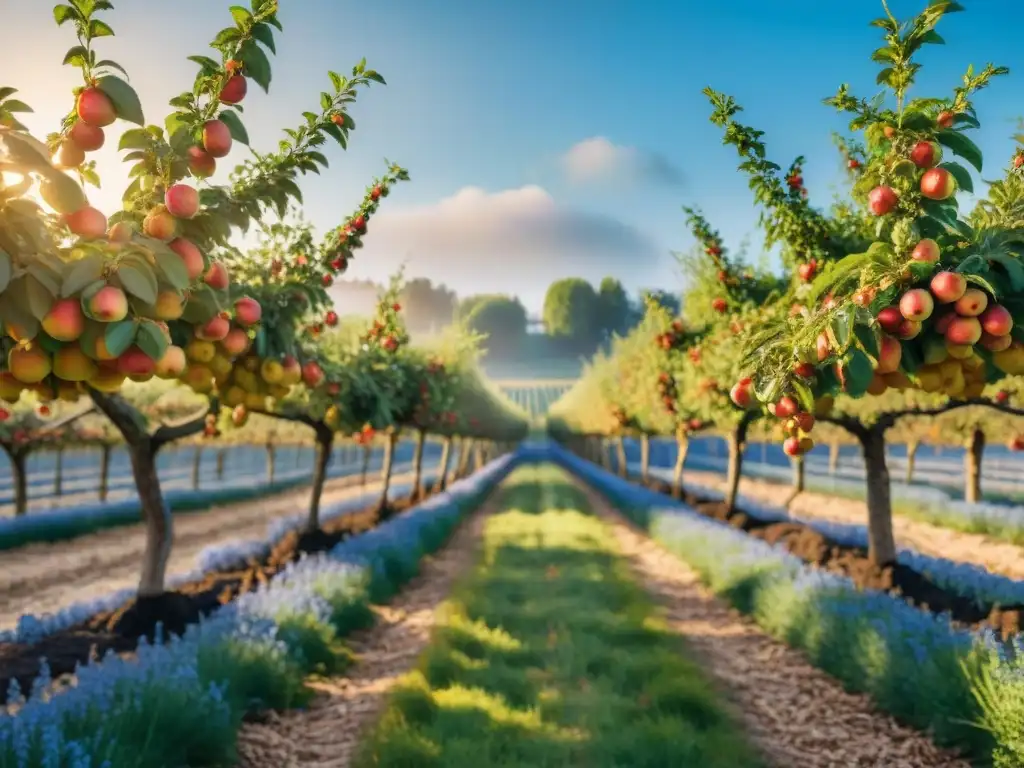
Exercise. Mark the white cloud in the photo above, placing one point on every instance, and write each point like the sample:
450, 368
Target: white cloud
598, 159
514, 241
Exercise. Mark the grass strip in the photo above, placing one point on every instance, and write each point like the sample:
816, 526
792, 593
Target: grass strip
550, 654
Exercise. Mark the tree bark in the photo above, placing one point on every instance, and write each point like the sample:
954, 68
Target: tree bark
367, 453
197, 464
142, 450
271, 463
446, 456
478, 456
324, 446
465, 452
736, 443
606, 459
682, 448
18, 458
58, 473
385, 474
972, 466
645, 457
105, 452
881, 540
912, 447
799, 479
620, 456
833, 457
221, 455
417, 464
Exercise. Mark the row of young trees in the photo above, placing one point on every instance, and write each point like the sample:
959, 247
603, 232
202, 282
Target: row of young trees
88, 303
893, 311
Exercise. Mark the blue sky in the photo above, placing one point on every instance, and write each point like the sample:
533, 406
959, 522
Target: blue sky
491, 96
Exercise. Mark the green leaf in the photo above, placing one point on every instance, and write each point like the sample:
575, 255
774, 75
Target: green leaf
234, 123
111, 65
265, 35
841, 327
375, 77
227, 36
336, 80
932, 37
883, 77
332, 130
150, 339
961, 174
62, 13
14, 105
172, 268
857, 372
973, 263
125, 99
84, 271
40, 300
962, 146
983, 283
868, 338
257, 66
6, 269
1014, 269
76, 56
206, 64
240, 15
261, 342
117, 337
803, 393
138, 282
136, 138
99, 28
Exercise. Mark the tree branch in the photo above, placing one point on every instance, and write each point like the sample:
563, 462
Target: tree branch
854, 426
186, 427
123, 415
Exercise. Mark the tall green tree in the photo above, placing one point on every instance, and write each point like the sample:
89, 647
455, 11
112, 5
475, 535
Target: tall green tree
501, 318
427, 306
613, 308
571, 314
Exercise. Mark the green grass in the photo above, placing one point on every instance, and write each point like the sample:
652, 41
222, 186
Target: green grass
550, 654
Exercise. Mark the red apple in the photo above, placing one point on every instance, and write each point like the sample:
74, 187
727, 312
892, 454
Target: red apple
182, 201
234, 90
786, 407
948, 287
972, 303
889, 355
997, 320
200, 163
926, 154
89, 138
938, 184
917, 305
216, 138
945, 119
926, 251
96, 108
890, 319
881, 200
87, 222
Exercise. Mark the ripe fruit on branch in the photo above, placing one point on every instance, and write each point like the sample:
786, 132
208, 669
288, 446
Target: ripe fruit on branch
331, 318
786, 407
938, 184
948, 287
160, 224
248, 311
995, 343
172, 364
312, 374
29, 365
740, 393
168, 306
917, 305
853, 164
215, 329
190, 255
926, 154
926, 251
87, 222
121, 232
327, 281
217, 276
807, 271
216, 138
889, 355
822, 347
972, 303
182, 201
909, 329
888, 131
890, 319
882, 199
1002, 396
201, 163
996, 320
86, 137
945, 119
234, 90
963, 331
804, 370
136, 363
96, 108
375, 193
804, 421
65, 321
108, 305
719, 304
236, 342
69, 155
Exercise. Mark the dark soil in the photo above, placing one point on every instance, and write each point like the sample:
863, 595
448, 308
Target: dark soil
898, 580
120, 630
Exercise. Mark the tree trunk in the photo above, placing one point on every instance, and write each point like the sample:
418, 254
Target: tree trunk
972, 466
606, 459
197, 464
385, 474
221, 454
446, 456
464, 455
417, 465
881, 541
478, 456
324, 446
105, 452
912, 447
58, 473
645, 457
18, 458
833, 457
271, 463
682, 448
799, 476
620, 456
367, 453
736, 442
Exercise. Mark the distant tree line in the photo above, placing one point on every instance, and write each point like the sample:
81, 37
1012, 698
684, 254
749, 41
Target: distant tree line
578, 319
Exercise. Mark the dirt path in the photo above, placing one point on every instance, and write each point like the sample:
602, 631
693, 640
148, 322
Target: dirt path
43, 578
991, 554
328, 733
795, 714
